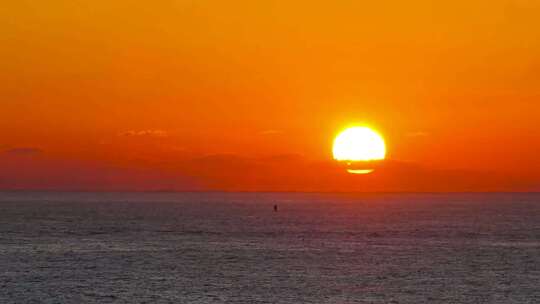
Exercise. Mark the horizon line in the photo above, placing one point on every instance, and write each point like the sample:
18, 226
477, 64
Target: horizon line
276, 192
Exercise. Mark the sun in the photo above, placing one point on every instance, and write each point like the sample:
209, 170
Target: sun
359, 144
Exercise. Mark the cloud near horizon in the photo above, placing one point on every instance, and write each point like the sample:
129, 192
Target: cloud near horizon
270, 132
149, 132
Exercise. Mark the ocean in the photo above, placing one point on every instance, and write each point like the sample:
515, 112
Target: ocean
234, 248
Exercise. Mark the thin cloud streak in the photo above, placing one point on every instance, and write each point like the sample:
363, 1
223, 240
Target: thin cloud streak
24, 151
149, 132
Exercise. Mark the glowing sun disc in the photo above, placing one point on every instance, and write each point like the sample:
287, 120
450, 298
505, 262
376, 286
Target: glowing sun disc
360, 171
359, 144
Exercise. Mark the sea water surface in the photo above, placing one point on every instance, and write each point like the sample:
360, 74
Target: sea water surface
233, 248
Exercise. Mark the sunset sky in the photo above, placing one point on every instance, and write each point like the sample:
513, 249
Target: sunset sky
249, 95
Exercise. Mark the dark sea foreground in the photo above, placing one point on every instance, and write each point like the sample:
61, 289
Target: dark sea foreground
233, 248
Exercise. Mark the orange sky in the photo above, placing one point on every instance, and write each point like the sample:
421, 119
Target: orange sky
247, 95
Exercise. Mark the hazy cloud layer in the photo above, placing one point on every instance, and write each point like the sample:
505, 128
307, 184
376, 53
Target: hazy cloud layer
295, 173
230, 172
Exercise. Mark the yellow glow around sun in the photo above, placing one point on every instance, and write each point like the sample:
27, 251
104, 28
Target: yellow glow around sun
359, 144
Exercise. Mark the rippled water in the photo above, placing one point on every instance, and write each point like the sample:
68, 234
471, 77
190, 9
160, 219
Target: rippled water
232, 248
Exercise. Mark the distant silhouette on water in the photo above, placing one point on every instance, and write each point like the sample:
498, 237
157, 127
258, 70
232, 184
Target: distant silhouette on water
275, 208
